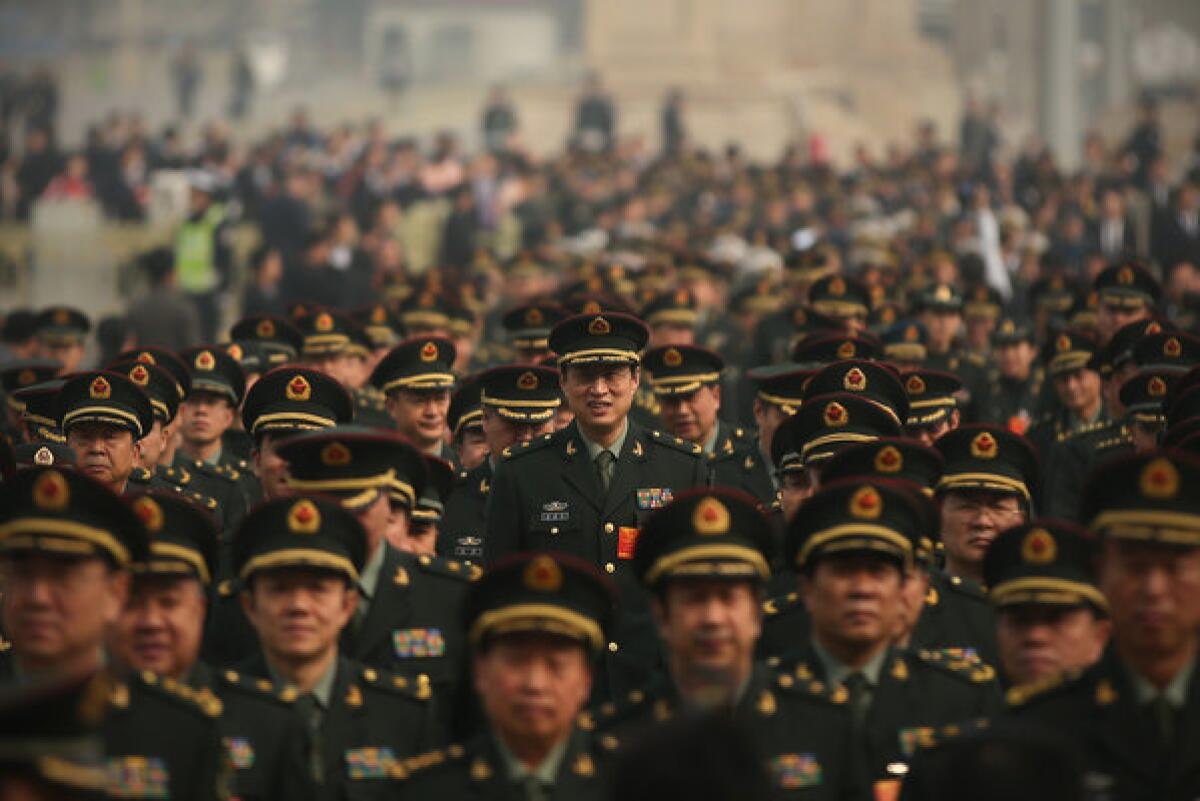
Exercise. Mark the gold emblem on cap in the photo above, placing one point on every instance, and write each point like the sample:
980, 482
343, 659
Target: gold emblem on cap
599, 327
534, 316
1063, 343
1008, 327
855, 380
913, 334
915, 385
1156, 387
846, 350
837, 287
527, 381
983, 446
304, 517
1152, 328
942, 293
379, 315
139, 375
889, 459
335, 454
672, 358
1172, 347
205, 360
298, 389
100, 389
265, 329
429, 352
1125, 276
711, 517
50, 491
235, 351
1159, 479
146, 358
44, 457
26, 377
591, 307
835, 415
150, 513
323, 322
543, 574
1039, 547
61, 317
865, 504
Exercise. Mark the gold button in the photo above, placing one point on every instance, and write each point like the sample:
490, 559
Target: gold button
608, 528
609, 567
554, 530
613, 647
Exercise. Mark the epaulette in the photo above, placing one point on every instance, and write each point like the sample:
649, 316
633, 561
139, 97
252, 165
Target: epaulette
200, 499
213, 471
678, 443
140, 475
202, 701
801, 681
969, 588
1090, 428
1024, 693
451, 568
973, 358
526, 447
417, 687
175, 475
257, 687
968, 668
780, 604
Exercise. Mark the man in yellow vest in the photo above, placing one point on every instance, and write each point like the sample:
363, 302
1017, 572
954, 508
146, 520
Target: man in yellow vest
202, 253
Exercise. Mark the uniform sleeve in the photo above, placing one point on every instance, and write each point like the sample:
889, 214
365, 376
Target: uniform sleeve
504, 516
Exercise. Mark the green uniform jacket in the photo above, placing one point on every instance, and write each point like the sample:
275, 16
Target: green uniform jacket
736, 462
265, 741
957, 616
918, 692
547, 495
464, 524
476, 770
1097, 714
374, 721
162, 740
1008, 400
1071, 461
800, 730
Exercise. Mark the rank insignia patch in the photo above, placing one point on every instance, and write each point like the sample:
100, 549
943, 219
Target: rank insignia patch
793, 771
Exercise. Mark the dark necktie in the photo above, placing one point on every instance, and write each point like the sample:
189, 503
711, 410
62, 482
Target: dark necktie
1164, 718
859, 692
605, 462
310, 712
531, 789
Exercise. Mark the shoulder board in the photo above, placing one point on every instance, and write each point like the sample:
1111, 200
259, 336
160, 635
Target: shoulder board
968, 588
1114, 442
201, 701
1091, 428
211, 471
255, 686
452, 568
203, 500
527, 447
415, 687
780, 604
973, 358
800, 682
676, 443
1024, 693
140, 475
967, 667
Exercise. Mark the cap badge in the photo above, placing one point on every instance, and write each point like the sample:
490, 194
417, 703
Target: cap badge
543, 574
139, 375
591, 307
335, 454
1156, 387
1039, 547
61, 317
672, 358
205, 360
1125, 276
855, 380
235, 351
527, 381
837, 287
889, 460
846, 350
429, 352
1062, 344
1159, 479
26, 377
265, 329
323, 322
599, 327
50, 491
1008, 327
1152, 328
304, 518
983, 446
1172, 348
534, 316
298, 389
865, 504
426, 301
682, 298
942, 293
146, 358
711, 517
835, 415
913, 334
100, 389
149, 512
379, 315
44, 457
915, 385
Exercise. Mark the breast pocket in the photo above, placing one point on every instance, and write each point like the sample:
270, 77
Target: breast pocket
556, 534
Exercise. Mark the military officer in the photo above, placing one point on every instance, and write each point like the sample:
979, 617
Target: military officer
160, 629
66, 546
299, 560
17, 375
1131, 717
417, 377
686, 380
517, 405
903, 345
1081, 407
981, 311
104, 415
39, 412
932, 404
853, 547
706, 558
989, 482
585, 489
537, 623
408, 617
425, 519
1050, 615
1015, 381
281, 340
1126, 292
939, 308
465, 423
1142, 397
61, 334
528, 328
779, 389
